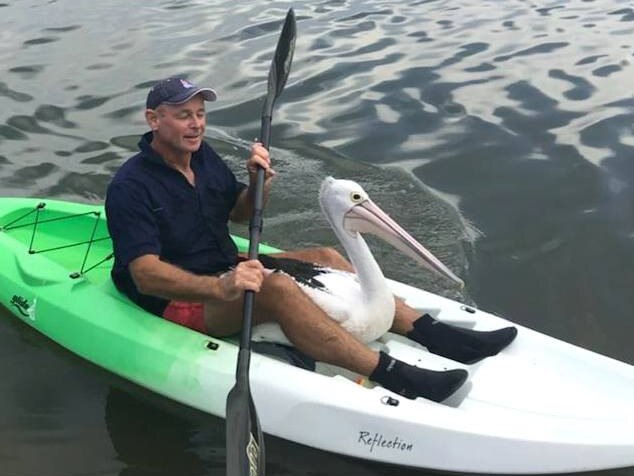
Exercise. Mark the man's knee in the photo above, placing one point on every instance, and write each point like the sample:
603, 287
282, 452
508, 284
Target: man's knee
279, 283
332, 258
279, 299
328, 255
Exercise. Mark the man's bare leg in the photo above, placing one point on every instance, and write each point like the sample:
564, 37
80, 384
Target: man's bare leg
302, 321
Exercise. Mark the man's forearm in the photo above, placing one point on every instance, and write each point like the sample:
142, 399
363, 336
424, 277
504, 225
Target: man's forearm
245, 204
157, 278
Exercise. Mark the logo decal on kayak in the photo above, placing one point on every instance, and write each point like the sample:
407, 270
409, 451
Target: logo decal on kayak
378, 440
23, 306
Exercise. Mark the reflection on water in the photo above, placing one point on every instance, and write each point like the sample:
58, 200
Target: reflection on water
167, 446
498, 133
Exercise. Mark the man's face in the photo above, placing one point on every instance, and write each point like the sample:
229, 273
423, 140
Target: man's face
179, 127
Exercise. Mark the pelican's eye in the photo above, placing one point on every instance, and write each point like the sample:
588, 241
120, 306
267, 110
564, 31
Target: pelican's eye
356, 197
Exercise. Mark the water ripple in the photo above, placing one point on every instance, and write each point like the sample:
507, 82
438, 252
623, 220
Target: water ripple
28, 72
90, 186
465, 51
7, 92
11, 133
91, 102
533, 50
253, 31
589, 59
582, 88
627, 14
39, 41
92, 146
27, 124
106, 157
55, 115
62, 29
606, 71
29, 175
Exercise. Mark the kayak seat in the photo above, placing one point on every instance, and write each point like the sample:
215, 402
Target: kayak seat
285, 353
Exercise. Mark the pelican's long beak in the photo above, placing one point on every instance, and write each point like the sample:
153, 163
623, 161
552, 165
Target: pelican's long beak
369, 218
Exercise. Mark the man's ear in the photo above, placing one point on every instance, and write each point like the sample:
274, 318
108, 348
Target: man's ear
151, 117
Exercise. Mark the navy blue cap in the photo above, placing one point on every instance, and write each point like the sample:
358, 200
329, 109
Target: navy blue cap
176, 91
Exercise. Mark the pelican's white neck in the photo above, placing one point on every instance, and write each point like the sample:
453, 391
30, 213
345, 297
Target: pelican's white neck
373, 283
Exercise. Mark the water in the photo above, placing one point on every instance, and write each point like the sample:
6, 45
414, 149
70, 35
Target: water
499, 133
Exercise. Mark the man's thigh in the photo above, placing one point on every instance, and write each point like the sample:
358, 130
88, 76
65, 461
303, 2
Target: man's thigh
324, 256
223, 318
278, 294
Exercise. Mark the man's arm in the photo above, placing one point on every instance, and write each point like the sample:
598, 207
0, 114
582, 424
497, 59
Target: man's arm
158, 278
243, 209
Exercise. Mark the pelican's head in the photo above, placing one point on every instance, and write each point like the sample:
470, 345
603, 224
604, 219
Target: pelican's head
348, 208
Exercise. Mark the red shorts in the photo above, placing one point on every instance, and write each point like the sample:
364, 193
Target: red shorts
188, 314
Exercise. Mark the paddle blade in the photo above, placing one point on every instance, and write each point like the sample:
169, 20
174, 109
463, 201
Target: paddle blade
245, 444
281, 65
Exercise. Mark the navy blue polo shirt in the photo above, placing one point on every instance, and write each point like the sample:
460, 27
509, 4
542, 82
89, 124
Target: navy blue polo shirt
153, 209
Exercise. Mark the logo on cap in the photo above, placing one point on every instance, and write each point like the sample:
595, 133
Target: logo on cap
187, 84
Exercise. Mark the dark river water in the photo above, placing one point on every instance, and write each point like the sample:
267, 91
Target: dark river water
499, 133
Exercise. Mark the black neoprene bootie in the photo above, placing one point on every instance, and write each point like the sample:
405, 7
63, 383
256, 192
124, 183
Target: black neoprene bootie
457, 343
412, 382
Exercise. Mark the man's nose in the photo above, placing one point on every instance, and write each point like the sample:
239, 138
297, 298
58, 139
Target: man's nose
197, 122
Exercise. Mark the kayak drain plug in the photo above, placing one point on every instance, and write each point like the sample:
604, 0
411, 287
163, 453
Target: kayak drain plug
212, 345
387, 400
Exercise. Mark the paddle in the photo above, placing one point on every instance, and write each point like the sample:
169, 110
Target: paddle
245, 445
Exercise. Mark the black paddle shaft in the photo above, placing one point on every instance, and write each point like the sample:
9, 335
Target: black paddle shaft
255, 231
278, 74
245, 444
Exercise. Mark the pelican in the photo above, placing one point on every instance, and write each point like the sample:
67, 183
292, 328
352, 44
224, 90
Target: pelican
360, 302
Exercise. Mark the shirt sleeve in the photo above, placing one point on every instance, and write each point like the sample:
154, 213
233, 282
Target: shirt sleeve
239, 187
131, 222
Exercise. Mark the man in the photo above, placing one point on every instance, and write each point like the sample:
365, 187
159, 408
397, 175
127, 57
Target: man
168, 209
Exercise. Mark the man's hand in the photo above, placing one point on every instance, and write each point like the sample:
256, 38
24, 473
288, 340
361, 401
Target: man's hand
243, 209
247, 275
259, 157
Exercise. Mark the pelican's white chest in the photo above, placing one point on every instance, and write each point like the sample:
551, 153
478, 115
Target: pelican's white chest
366, 315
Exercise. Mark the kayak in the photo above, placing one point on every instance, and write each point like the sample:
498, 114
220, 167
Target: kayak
541, 406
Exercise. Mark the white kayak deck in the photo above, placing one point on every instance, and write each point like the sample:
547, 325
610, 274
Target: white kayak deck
540, 406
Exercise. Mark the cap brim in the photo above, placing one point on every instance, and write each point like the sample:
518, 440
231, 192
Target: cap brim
208, 94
